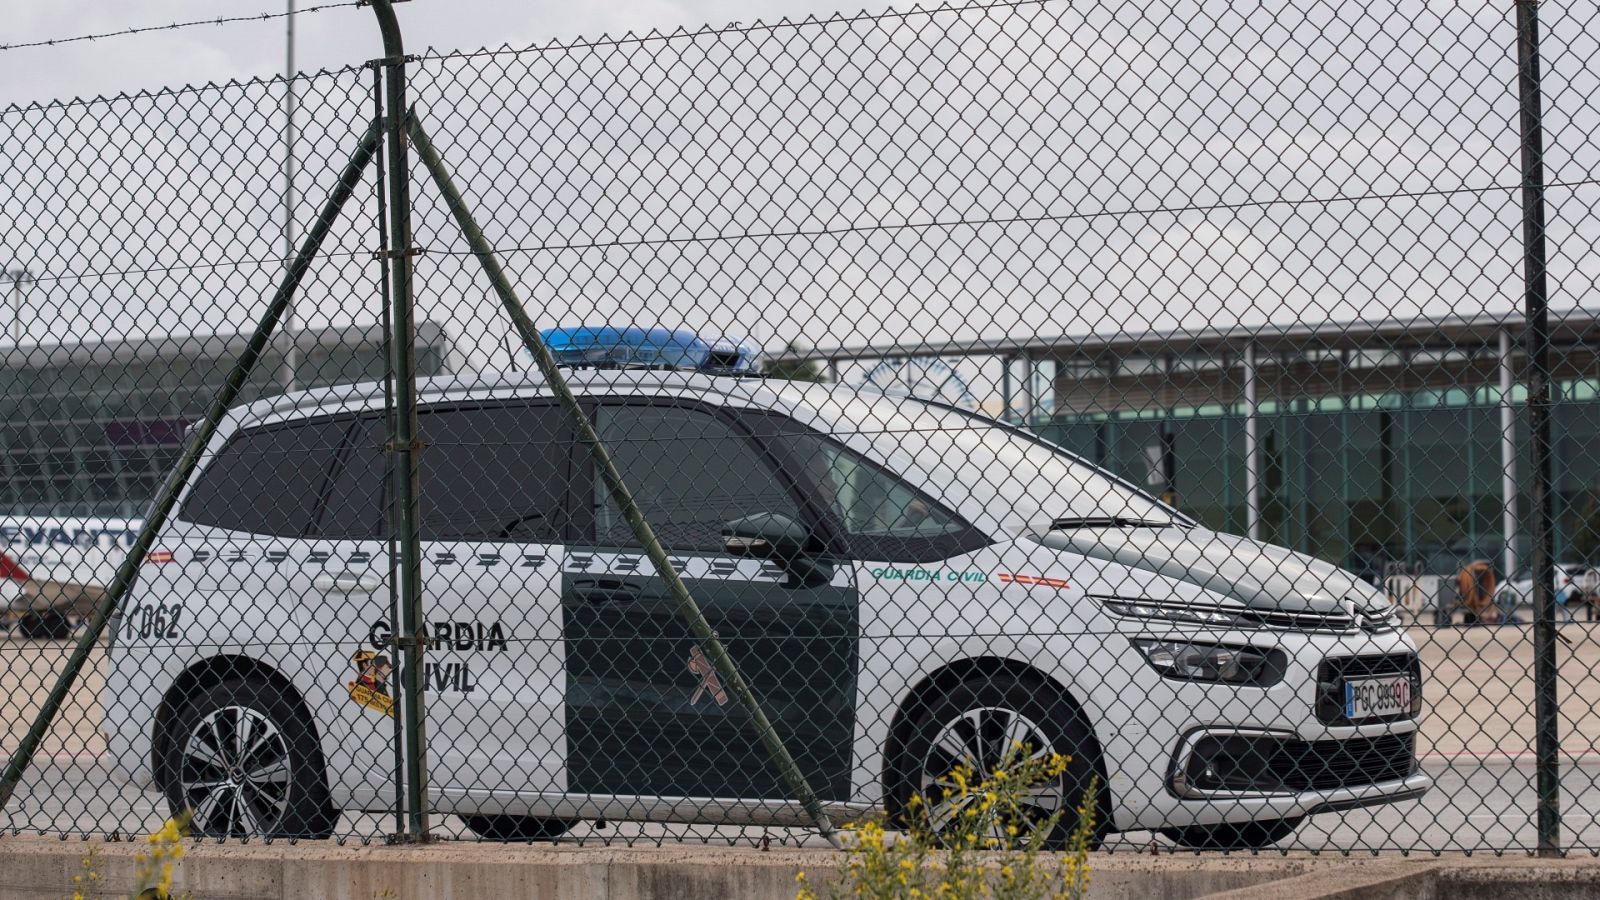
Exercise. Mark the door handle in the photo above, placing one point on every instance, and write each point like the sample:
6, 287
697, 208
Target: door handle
347, 582
606, 590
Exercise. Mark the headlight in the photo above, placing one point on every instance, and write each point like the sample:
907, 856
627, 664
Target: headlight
1193, 614
1214, 662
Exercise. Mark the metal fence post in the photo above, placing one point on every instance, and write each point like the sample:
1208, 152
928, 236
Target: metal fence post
404, 443
167, 497
687, 608
1546, 709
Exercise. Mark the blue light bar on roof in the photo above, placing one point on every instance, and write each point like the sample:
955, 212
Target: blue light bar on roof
655, 348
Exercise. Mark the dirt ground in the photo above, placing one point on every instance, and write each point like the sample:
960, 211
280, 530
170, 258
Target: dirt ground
27, 670
1478, 692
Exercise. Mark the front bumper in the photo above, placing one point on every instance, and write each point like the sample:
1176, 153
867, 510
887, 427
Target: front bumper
1237, 753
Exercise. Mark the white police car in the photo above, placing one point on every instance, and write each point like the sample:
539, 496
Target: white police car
937, 587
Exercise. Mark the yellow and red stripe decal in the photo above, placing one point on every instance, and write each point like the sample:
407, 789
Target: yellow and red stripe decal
1059, 584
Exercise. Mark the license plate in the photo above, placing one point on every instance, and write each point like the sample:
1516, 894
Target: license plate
1365, 698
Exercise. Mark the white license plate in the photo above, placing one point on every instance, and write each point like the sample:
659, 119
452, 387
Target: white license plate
1365, 698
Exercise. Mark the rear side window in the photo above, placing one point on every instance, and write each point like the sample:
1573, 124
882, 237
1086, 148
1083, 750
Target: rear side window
268, 480
356, 498
494, 473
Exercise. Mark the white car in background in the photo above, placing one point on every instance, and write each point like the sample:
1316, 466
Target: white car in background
906, 587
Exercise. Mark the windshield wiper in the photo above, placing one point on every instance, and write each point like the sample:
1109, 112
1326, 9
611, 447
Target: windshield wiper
1070, 522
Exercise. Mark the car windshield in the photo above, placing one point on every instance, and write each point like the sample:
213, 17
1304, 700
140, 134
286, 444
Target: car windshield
1070, 490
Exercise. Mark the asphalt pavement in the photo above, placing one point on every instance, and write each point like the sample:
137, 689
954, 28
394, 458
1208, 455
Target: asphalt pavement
1477, 741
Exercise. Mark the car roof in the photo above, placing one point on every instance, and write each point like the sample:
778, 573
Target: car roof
816, 403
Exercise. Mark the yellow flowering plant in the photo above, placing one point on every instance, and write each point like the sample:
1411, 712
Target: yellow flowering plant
86, 884
154, 867
975, 840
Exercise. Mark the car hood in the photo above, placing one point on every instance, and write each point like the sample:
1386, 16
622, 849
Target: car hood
1259, 575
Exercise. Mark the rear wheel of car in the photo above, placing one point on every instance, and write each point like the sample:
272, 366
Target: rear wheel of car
516, 828
242, 757
1236, 836
978, 725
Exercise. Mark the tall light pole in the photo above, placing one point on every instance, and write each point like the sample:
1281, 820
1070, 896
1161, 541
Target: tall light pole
290, 354
17, 277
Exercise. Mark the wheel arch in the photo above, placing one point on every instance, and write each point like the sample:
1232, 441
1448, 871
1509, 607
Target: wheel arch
946, 677
215, 670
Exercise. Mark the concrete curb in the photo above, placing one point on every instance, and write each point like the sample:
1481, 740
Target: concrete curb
34, 868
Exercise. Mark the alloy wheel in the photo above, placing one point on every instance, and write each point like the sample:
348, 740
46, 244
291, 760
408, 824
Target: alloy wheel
235, 773
982, 741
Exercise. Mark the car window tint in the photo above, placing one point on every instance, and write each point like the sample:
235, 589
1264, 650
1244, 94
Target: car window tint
355, 508
268, 480
878, 514
868, 502
690, 472
493, 473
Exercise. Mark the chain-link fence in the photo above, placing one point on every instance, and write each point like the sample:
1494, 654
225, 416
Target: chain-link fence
728, 434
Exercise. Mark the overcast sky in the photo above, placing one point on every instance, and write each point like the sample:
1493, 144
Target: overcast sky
1055, 166
327, 39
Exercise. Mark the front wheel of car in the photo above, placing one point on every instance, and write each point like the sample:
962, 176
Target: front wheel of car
984, 724
243, 760
516, 828
1232, 836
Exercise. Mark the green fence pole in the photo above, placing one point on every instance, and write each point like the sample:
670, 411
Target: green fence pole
403, 440
1546, 709
194, 446
687, 608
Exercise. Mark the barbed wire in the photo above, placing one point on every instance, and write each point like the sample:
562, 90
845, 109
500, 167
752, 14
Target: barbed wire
144, 29
434, 54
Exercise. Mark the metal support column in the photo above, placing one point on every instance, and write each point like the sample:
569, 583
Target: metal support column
1252, 446
1025, 401
1005, 388
404, 443
1547, 744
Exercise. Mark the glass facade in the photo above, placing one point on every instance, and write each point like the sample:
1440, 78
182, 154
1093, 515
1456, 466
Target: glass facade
1362, 480
94, 430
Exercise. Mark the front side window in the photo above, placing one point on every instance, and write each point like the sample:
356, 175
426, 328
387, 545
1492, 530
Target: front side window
690, 471
878, 514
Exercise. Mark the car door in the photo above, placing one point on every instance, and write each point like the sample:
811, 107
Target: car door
494, 481
645, 713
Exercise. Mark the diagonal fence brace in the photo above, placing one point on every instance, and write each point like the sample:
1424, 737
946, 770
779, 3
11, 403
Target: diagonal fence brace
205, 429
687, 608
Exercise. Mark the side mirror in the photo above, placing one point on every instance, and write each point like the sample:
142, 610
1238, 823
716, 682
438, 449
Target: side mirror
780, 539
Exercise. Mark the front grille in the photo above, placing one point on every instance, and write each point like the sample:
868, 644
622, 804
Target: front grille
1332, 674
1236, 615
1269, 764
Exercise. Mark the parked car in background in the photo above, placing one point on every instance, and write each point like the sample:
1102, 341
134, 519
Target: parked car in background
55, 569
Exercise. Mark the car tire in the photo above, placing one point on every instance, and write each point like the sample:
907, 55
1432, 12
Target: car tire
1233, 836
974, 712
48, 625
516, 828
243, 758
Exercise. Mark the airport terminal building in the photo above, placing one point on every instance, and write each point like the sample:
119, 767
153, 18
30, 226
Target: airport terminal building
1366, 444
91, 428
